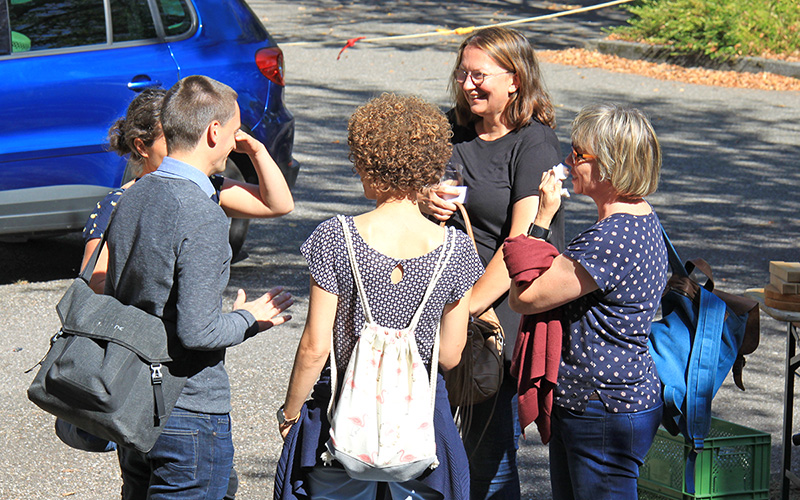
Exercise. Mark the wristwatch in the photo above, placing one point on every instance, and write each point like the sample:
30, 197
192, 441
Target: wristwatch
538, 232
283, 421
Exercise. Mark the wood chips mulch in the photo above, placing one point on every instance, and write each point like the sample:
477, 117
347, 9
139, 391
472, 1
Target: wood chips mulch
663, 71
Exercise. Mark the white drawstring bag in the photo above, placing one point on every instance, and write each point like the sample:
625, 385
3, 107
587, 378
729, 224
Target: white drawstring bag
382, 424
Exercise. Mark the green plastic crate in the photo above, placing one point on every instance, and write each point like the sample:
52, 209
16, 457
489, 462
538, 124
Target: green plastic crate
733, 466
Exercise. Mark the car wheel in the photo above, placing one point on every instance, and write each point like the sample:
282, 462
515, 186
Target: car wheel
238, 227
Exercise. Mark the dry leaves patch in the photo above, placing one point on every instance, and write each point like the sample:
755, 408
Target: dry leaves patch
663, 71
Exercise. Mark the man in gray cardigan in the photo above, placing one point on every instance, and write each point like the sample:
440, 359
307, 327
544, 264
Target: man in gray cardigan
169, 255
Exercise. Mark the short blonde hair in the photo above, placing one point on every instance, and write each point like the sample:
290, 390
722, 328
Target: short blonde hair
625, 144
399, 143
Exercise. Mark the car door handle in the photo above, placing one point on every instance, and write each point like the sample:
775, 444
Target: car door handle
139, 85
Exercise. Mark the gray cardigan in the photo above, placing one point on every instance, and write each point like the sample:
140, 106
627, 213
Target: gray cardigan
169, 255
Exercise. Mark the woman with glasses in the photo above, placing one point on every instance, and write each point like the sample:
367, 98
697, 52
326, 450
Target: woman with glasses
503, 124
606, 285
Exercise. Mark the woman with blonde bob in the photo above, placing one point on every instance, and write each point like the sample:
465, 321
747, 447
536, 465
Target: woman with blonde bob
606, 286
398, 146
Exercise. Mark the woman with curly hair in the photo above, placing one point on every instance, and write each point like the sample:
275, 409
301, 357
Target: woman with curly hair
398, 146
503, 123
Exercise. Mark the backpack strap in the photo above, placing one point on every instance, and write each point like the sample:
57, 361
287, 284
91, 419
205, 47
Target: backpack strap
675, 262
703, 361
450, 235
362, 294
701, 376
443, 260
441, 264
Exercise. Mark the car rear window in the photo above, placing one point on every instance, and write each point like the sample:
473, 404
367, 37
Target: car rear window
175, 15
56, 24
131, 20
53, 24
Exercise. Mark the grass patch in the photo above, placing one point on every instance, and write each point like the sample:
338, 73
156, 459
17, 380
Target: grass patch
716, 28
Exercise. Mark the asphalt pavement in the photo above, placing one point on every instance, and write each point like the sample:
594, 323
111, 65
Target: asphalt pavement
727, 194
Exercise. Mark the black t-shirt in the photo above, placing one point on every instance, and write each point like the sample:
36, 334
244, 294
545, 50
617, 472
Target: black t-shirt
498, 174
501, 172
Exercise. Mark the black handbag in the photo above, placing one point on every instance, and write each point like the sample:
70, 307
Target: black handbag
109, 369
479, 374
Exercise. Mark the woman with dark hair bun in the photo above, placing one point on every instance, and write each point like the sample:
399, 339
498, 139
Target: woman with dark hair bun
139, 130
139, 135
503, 123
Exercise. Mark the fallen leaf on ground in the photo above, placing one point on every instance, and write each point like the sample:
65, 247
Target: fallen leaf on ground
663, 71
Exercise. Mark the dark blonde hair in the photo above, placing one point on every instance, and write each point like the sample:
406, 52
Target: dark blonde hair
142, 121
513, 52
399, 144
625, 144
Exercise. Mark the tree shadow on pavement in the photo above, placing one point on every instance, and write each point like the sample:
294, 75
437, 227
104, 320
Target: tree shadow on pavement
334, 21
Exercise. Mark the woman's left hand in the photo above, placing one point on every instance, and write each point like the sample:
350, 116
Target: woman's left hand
247, 144
284, 430
549, 198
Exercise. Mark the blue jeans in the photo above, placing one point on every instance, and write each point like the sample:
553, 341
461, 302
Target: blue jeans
596, 455
332, 483
493, 458
191, 460
80, 439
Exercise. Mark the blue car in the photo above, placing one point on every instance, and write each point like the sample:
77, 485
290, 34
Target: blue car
69, 68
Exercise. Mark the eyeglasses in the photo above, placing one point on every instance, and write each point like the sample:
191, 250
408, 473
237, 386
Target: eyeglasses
477, 77
576, 157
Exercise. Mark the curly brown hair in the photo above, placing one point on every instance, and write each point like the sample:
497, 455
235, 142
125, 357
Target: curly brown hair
399, 144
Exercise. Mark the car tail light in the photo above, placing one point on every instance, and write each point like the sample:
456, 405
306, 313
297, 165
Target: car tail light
270, 62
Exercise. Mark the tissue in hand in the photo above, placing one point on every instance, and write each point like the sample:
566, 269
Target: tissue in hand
561, 171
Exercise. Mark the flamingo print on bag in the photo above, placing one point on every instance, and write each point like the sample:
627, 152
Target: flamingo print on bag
350, 381
360, 422
405, 458
376, 432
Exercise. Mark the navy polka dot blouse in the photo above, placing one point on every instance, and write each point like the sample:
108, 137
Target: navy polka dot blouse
605, 338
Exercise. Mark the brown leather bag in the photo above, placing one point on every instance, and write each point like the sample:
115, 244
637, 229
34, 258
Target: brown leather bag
478, 375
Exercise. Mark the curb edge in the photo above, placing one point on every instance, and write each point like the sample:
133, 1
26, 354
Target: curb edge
662, 54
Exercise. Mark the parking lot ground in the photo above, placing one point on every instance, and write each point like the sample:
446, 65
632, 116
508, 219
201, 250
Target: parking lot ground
727, 194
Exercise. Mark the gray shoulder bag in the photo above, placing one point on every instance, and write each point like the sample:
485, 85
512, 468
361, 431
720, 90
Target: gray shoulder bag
110, 369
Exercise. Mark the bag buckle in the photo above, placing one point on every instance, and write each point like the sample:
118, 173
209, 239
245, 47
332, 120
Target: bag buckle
53, 339
155, 373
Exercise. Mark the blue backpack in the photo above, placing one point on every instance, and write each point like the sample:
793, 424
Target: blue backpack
699, 339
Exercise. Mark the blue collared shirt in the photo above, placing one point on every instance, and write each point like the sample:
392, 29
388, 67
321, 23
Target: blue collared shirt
176, 169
